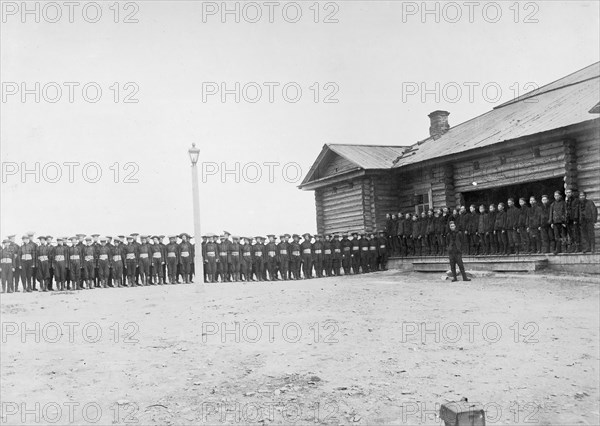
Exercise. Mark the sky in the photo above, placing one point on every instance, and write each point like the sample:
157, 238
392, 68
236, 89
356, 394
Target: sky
158, 76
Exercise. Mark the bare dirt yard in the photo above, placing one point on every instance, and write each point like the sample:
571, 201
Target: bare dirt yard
384, 348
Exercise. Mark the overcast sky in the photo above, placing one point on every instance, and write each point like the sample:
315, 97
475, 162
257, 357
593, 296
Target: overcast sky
371, 61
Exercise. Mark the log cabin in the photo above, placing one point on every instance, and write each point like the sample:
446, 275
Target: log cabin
544, 140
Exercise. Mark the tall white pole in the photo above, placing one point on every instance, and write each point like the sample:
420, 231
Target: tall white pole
198, 261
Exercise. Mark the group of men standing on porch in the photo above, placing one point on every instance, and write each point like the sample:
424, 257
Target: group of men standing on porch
555, 225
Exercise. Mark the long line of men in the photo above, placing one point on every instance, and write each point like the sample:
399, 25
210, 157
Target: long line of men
564, 225
230, 258
81, 262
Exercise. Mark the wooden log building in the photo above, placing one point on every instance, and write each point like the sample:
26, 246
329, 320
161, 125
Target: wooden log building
545, 140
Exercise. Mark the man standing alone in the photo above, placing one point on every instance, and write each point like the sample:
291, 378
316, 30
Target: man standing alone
456, 245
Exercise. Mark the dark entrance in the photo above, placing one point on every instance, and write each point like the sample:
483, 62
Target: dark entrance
503, 193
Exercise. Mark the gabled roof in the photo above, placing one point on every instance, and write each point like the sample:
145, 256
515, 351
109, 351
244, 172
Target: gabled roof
365, 157
570, 100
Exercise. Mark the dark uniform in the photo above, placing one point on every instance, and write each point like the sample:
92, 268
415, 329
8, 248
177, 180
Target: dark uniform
159, 255
44, 259
364, 243
512, 225
346, 253
7, 266
588, 216
295, 257
522, 226
373, 252
572, 210
500, 230
456, 245
25, 262
103, 253
75, 265
318, 255
172, 259
534, 223
271, 257
144, 253
258, 255
283, 249
558, 223
59, 264
247, 260
356, 252
235, 258
186, 256
307, 256
327, 256
117, 262
212, 258
490, 232
383, 251
336, 255
546, 232
130, 252
223, 264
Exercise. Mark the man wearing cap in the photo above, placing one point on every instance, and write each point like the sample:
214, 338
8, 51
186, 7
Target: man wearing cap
327, 256
534, 223
223, 264
407, 235
186, 253
34, 268
400, 242
588, 216
15, 249
130, 253
456, 245
512, 223
355, 253
89, 263
373, 251
158, 260
295, 257
49, 285
25, 263
103, 253
558, 222
524, 211
336, 254
7, 266
283, 248
346, 246
383, 251
572, 210
144, 253
75, 263
203, 248
172, 250
234, 258
60, 257
271, 257
364, 243
500, 230
211, 257
307, 255
43, 263
96, 244
317, 249
116, 261
415, 235
258, 255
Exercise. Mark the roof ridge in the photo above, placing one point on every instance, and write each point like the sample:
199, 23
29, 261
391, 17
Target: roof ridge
540, 90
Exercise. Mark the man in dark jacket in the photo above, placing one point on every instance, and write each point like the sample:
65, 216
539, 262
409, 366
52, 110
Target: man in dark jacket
522, 225
456, 244
534, 223
558, 222
500, 230
588, 216
490, 234
512, 225
546, 233
572, 209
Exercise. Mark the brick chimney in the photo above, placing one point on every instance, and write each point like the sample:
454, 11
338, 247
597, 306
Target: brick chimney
439, 123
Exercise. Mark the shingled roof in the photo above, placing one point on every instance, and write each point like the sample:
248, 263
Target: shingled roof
564, 102
559, 104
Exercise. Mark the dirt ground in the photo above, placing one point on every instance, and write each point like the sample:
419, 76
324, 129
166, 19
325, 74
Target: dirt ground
384, 348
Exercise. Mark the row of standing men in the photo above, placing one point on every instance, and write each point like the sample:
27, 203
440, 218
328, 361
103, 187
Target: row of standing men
233, 258
564, 225
92, 261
